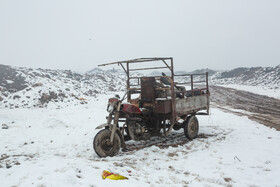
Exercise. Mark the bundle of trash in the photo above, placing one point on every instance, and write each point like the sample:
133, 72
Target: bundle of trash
112, 176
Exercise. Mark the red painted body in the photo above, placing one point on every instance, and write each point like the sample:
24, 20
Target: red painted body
112, 100
129, 108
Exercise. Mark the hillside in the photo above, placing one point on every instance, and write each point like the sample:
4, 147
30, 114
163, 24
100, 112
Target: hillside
27, 87
265, 77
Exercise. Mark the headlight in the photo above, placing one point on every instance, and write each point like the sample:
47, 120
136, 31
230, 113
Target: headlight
110, 107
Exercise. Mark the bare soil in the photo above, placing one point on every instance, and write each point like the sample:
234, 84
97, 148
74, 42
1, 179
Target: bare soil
259, 108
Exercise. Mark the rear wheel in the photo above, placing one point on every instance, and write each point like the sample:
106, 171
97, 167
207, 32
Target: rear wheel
103, 146
191, 127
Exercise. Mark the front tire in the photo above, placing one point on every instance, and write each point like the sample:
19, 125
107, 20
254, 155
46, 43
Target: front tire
191, 127
102, 145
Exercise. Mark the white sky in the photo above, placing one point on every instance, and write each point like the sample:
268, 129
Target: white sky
80, 34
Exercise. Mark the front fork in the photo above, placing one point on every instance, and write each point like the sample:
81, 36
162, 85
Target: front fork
116, 120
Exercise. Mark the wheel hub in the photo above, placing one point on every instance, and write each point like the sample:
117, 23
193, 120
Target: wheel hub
106, 144
192, 127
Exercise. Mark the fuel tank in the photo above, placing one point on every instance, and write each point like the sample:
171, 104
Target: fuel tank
131, 109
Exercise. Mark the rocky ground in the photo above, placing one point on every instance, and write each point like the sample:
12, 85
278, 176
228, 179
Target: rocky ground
263, 77
34, 88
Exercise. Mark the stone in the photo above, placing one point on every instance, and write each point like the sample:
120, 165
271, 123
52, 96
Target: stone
16, 97
37, 85
4, 126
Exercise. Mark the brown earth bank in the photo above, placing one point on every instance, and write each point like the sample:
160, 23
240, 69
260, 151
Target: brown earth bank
259, 108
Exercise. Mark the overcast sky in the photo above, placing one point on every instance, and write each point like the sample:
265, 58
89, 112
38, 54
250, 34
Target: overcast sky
80, 34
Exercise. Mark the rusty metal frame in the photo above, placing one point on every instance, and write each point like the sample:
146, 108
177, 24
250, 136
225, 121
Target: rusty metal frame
192, 83
195, 90
170, 66
137, 60
165, 61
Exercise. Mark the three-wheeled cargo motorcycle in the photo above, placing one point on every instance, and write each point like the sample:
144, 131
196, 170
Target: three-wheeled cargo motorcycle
154, 106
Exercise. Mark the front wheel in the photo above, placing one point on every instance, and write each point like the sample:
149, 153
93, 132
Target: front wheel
103, 146
191, 127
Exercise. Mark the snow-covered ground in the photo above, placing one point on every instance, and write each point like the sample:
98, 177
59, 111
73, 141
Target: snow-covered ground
255, 89
36, 88
53, 147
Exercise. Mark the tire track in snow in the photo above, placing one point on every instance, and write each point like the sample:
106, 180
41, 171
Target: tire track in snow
259, 108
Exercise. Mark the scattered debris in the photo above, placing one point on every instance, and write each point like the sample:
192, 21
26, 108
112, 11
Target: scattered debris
237, 158
37, 85
3, 157
112, 176
4, 126
227, 179
16, 97
172, 154
8, 166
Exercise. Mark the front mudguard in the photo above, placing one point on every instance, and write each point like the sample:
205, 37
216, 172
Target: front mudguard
104, 125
